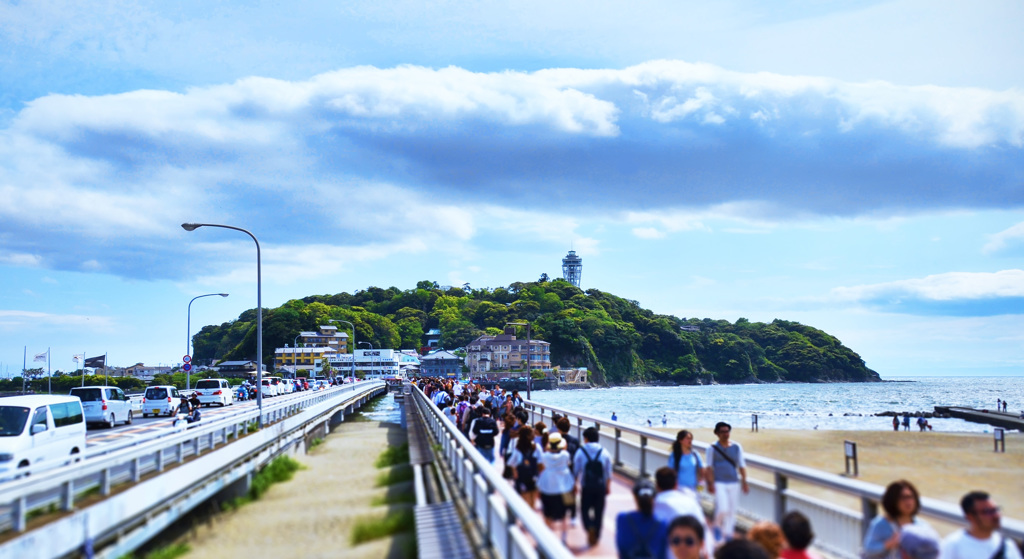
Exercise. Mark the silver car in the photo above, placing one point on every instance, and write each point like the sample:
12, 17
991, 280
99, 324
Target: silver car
106, 405
161, 400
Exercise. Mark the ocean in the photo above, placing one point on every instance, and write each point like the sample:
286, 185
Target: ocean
837, 406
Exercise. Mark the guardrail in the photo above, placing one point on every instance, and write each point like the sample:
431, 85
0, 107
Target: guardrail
109, 466
839, 530
512, 528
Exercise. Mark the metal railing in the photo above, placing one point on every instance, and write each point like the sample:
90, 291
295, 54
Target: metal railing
512, 528
110, 465
838, 530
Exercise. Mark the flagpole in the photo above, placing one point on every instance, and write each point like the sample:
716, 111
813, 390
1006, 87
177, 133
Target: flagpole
83, 368
24, 368
104, 368
49, 382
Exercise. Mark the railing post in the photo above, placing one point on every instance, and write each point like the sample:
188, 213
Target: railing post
618, 435
643, 456
781, 485
160, 460
105, 482
868, 511
18, 516
136, 470
67, 497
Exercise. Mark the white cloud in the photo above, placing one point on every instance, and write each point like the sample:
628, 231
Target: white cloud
648, 233
1005, 239
14, 320
946, 287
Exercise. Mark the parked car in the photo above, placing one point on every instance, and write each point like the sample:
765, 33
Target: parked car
106, 405
161, 400
215, 391
38, 432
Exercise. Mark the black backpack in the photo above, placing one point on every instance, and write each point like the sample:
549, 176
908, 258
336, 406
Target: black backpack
485, 428
593, 471
527, 469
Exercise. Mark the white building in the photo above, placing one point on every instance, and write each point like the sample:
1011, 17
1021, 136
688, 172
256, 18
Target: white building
374, 363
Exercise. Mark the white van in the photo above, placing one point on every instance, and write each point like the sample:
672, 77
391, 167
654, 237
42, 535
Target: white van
215, 391
104, 405
39, 432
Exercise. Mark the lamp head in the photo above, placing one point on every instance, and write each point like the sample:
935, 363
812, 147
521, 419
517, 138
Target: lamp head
223, 294
190, 226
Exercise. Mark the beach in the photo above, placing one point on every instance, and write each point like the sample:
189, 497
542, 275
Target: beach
942, 466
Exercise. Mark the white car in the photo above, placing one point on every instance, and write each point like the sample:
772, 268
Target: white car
268, 389
215, 391
105, 405
39, 432
161, 400
280, 387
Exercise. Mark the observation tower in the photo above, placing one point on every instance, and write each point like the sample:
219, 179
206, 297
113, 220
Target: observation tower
572, 268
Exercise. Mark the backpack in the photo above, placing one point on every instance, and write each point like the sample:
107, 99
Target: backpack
593, 471
485, 429
527, 469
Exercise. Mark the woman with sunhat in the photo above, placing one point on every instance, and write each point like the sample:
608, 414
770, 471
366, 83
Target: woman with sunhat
555, 483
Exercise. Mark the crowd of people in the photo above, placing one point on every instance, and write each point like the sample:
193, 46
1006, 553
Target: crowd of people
570, 479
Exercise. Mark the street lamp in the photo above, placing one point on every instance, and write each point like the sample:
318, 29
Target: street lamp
295, 347
188, 336
353, 343
259, 311
373, 363
529, 351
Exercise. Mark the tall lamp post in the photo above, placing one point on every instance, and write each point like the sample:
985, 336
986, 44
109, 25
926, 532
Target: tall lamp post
259, 311
371, 349
353, 344
295, 350
188, 336
529, 352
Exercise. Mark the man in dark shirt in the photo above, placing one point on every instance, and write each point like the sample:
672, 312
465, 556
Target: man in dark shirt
484, 431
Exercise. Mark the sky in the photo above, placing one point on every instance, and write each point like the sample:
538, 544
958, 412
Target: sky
857, 165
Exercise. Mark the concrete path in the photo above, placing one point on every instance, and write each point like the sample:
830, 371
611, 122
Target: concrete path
312, 515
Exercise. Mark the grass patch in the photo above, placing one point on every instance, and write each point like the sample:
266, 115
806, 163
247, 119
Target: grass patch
393, 456
41, 511
314, 443
170, 552
369, 528
252, 427
397, 474
280, 469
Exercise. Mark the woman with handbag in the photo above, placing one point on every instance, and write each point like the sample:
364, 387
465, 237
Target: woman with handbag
556, 484
901, 502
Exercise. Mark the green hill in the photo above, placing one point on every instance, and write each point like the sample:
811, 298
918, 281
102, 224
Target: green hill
616, 339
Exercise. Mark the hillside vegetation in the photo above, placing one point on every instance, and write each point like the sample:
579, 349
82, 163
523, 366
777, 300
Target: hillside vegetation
616, 339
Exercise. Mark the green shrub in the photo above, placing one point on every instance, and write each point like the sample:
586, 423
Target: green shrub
393, 456
369, 528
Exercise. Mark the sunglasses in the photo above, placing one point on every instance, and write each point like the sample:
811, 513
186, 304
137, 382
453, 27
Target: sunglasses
690, 541
988, 512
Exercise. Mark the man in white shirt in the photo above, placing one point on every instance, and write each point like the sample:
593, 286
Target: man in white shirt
980, 540
673, 501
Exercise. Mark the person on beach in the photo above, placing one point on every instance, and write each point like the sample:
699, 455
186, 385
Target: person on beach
638, 533
901, 503
981, 538
525, 463
726, 477
555, 482
686, 462
664, 420
906, 421
686, 538
593, 469
895, 423
672, 502
614, 417
797, 530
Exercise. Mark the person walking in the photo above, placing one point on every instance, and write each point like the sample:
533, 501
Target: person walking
726, 477
555, 484
981, 537
906, 421
572, 445
525, 462
686, 538
896, 423
799, 535
686, 462
901, 503
672, 502
593, 469
484, 431
638, 533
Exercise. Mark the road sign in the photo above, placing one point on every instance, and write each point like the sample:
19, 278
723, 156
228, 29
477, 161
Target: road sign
187, 359
186, 367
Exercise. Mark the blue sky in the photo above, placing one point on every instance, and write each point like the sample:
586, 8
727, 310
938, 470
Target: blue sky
853, 165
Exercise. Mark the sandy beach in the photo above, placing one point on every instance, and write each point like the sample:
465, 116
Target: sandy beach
942, 465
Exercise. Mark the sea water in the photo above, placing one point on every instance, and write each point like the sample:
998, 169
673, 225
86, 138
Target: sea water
835, 406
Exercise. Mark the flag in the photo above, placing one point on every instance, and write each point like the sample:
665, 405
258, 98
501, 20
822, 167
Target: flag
78, 357
41, 357
96, 362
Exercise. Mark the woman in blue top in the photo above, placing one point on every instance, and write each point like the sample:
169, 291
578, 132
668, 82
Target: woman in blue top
900, 502
638, 533
686, 462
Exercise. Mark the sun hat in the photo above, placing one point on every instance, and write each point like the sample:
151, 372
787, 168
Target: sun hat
556, 441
